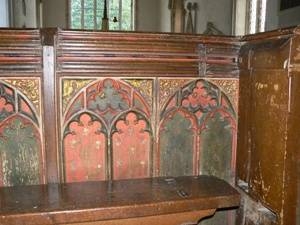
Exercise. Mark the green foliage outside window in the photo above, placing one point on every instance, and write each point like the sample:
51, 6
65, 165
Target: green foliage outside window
87, 14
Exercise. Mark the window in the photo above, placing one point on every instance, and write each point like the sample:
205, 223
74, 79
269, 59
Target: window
87, 14
257, 16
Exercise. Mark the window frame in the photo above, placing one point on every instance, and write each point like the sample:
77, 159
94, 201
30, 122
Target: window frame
133, 16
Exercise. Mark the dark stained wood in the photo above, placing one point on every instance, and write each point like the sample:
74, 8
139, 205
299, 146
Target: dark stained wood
168, 219
50, 113
145, 57
20, 51
268, 65
291, 203
21, 72
113, 200
144, 54
268, 120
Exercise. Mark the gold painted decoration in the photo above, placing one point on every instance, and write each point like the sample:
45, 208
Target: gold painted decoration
29, 87
167, 87
145, 87
70, 87
231, 88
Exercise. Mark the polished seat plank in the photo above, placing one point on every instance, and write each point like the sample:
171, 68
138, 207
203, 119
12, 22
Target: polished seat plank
89, 202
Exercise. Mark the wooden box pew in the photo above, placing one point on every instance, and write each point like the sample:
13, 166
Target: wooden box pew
87, 119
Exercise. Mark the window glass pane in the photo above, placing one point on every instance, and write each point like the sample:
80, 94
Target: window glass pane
126, 15
92, 16
113, 12
88, 14
76, 14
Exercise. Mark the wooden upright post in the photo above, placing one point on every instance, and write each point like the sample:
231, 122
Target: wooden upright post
177, 15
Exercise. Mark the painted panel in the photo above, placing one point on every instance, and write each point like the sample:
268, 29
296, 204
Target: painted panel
216, 145
123, 115
20, 150
29, 88
70, 88
84, 150
131, 148
177, 144
21, 146
210, 134
144, 87
167, 88
7, 102
108, 98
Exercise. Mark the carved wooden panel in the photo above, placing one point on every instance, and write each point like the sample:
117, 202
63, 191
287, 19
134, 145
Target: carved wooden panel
20, 51
22, 153
84, 150
197, 130
193, 113
21, 129
131, 147
139, 54
106, 126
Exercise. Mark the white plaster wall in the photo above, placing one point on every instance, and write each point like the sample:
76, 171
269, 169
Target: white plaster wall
240, 17
55, 13
279, 19
19, 19
165, 16
272, 15
148, 15
289, 17
217, 11
4, 16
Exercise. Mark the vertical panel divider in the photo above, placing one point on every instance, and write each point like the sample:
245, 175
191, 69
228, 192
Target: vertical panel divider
50, 114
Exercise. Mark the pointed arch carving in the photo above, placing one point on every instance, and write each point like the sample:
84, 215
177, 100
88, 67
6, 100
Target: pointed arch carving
211, 117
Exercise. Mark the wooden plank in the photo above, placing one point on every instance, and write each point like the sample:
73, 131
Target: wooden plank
110, 200
50, 113
141, 54
20, 51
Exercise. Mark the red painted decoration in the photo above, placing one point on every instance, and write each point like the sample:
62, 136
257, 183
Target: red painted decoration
199, 96
131, 148
85, 151
5, 106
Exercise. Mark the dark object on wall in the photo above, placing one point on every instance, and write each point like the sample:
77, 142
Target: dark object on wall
286, 4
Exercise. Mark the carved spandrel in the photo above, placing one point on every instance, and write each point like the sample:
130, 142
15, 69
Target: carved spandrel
30, 88
168, 87
230, 88
70, 87
145, 87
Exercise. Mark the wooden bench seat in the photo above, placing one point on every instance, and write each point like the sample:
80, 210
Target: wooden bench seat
137, 201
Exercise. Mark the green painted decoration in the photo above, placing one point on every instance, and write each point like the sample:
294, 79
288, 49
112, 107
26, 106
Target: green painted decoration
19, 152
176, 146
